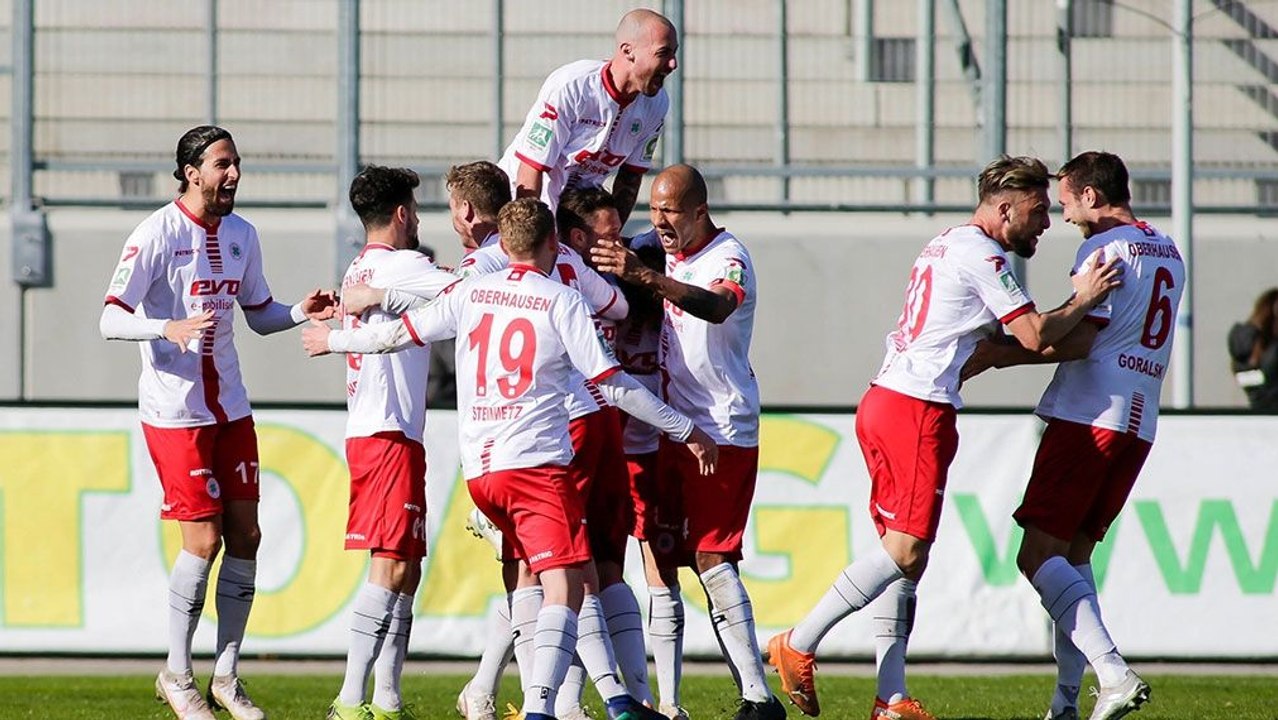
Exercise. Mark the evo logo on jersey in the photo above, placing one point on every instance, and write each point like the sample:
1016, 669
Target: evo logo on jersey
599, 156
215, 287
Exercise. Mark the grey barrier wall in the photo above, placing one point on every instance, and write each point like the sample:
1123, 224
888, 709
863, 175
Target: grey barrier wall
831, 286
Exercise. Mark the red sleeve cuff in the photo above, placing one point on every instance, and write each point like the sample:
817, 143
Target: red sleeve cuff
531, 163
735, 288
113, 300
634, 169
611, 302
411, 332
606, 374
1100, 322
259, 306
1027, 307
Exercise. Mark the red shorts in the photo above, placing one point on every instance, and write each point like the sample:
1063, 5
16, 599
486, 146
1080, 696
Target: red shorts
539, 513
716, 507
908, 446
658, 507
600, 461
388, 496
202, 467
1081, 479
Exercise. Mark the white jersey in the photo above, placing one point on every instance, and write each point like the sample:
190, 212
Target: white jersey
636, 346
174, 267
388, 392
706, 366
520, 337
961, 287
1117, 385
578, 131
603, 298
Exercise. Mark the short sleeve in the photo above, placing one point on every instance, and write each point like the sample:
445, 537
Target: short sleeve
989, 272
733, 273
482, 262
436, 320
604, 299
584, 343
254, 292
547, 127
138, 267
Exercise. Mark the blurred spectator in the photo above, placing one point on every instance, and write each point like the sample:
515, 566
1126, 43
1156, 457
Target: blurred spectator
1253, 352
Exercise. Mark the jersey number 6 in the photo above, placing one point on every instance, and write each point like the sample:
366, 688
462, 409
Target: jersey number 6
1160, 311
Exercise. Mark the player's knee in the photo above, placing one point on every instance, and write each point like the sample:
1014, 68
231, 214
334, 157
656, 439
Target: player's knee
205, 547
909, 553
243, 542
1030, 558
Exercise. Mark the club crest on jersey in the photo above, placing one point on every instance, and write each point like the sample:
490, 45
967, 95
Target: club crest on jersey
236, 252
539, 134
635, 127
214, 490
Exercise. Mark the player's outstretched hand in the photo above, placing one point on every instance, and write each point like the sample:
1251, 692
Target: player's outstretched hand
613, 257
320, 304
358, 298
705, 449
315, 338
182, 332
1097, 278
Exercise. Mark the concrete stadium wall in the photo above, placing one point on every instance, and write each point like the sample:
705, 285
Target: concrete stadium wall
831, 287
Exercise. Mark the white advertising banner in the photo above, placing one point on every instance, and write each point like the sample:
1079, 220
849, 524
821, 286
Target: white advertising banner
1189, 569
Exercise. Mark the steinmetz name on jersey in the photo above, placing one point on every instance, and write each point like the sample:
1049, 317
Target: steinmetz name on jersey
388, 392
578, 131
519, 335
1117, 385
174, 267
707, 373
961, 287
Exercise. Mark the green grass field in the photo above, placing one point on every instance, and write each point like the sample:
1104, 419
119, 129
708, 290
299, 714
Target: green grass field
1175, 697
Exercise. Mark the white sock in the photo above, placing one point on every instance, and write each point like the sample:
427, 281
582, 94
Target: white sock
554, 641
525, 606
1071, 601
893, 619
625, 626
498, 648
236, 583
595, 648
733, 618
188, 585
854, 588
569, 696
370, 619
1071, 663
665, 632
389, 666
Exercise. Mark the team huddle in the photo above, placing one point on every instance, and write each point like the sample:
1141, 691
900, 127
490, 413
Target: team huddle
605, 392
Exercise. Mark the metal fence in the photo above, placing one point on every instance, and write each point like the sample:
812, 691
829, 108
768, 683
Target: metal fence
820, 104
